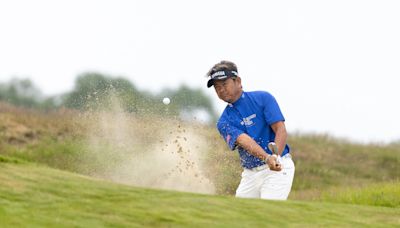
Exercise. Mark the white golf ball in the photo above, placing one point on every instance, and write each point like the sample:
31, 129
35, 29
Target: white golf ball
166, 100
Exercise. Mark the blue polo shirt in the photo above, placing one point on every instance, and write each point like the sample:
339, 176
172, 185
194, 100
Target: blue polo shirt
253, 113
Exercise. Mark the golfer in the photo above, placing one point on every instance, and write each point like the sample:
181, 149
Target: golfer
250, 121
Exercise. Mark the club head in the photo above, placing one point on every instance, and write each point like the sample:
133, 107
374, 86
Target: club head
273, 148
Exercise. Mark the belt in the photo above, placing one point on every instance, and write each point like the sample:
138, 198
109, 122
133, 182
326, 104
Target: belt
258, 168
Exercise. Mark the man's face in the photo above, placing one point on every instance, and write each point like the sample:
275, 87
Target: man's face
228, 90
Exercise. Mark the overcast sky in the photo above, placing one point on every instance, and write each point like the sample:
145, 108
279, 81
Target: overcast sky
334, 66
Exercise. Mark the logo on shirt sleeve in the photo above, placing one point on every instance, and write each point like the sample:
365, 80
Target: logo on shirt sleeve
228, 138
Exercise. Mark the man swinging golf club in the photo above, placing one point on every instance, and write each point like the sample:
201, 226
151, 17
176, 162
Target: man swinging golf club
252, 122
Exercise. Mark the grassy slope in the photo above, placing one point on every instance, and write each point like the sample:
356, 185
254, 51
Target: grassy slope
323, 162
59, 139
383, 194
327, 170
36, 196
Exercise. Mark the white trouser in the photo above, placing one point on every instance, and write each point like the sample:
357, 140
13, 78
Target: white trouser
261, 182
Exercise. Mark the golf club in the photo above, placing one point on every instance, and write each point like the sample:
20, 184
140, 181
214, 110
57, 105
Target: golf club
274, 149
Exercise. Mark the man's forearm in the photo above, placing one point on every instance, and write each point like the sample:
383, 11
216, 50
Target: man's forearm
247, 143
280, 140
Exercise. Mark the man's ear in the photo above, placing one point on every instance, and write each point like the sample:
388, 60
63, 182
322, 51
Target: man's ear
239, 80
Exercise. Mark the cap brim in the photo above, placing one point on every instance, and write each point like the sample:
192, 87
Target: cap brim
210, 83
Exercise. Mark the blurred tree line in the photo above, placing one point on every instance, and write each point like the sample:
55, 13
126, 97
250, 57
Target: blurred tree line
95, 91
22, 92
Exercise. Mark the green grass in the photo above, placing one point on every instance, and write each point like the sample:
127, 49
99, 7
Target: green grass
37, 196
6, 159
382, 194
323, 162
50, 151
61, 139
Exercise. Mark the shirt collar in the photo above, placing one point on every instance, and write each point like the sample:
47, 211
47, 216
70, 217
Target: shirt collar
236, 103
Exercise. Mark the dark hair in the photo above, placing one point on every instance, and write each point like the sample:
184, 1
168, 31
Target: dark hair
223, 65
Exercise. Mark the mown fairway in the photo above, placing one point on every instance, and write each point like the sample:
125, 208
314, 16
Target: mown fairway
37, 196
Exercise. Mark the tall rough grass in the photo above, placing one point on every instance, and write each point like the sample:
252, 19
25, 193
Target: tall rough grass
106, 144
380, 194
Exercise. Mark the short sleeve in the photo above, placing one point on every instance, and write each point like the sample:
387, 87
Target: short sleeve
272, 112
229, 132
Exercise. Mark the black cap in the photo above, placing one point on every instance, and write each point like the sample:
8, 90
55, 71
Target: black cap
221, 75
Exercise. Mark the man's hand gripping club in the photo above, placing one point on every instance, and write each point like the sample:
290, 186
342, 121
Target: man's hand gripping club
272, 160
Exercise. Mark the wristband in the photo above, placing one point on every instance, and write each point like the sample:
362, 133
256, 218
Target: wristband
266, 160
